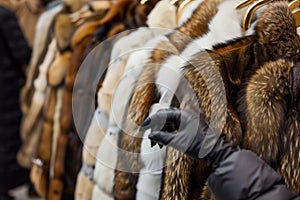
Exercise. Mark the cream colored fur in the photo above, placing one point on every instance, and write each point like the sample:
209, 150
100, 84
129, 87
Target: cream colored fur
107, 153
95, 135
44, 24
58, 69
40, 85
224, 26
84, 187
188, 11
228, 17
38, 101
56, 127
163, 15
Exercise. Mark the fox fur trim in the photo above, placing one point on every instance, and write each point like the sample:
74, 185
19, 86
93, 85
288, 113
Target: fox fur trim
266, 106
290, 161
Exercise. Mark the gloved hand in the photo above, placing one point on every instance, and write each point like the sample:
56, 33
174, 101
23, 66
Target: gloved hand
194, 136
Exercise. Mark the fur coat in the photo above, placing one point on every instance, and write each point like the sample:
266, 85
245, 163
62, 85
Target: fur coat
257, 81
175, 44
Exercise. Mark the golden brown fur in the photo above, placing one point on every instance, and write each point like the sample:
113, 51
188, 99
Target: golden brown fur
44, 148
211, 95
57, 182
290, 161
63, 28
207, 194
195, 26
265, 100
89, 28
276, 32
246, 55
266, 91
144, 97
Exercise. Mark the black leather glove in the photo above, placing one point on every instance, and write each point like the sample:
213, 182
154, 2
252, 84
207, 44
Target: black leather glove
194, 136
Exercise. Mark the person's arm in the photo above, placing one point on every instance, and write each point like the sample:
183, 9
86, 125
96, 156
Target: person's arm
237, 174
13, 35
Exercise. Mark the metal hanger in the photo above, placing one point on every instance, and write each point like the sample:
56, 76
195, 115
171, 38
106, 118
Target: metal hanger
182, 5
243, 4
255, 5
295, 7
294, 4
246, 23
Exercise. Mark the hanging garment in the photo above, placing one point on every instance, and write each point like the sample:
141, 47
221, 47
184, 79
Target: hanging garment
53, 74
117, 27
104, 101
248, 79
31, 122
28, 13
66, 117
41, 42
14, 53
94, 62
171, 68
95, 134
141, 95
116, 79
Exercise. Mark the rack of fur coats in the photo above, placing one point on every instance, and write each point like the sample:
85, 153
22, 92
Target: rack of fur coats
236, 64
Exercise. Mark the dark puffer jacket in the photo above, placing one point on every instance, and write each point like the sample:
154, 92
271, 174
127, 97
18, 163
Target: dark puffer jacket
241, 175
14, 52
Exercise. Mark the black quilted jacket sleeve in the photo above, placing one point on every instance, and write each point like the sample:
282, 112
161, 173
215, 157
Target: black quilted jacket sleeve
240, 174
16, 44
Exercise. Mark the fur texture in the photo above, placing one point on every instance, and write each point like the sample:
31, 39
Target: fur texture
56, 127
109, 94
208, 86
58, 69
188, 11
232, 127
179, 42
63, 28
40, 48
290, 161
31, 122
269, 82
84, 187
91, 27
265, 118
44, 149
57, 182
162, 15
137, 113
196, 26
262, 104
263, 99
